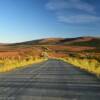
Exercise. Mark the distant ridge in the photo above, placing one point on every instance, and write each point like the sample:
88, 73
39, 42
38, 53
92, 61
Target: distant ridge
61, 41
78, 41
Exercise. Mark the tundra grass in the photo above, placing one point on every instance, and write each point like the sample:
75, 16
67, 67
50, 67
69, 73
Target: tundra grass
9, 65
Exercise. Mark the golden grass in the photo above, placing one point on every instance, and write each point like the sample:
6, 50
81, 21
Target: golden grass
20, 57
90, 65
10, 60
13, 64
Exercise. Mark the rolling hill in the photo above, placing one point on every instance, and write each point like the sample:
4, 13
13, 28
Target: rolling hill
72, 44
20, 54
60, 41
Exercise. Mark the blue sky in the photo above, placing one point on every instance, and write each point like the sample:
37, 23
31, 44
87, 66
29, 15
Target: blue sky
22, 20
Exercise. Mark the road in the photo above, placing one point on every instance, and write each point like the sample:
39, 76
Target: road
50, 80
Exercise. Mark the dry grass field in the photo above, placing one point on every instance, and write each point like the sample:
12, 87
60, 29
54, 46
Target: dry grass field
83, 52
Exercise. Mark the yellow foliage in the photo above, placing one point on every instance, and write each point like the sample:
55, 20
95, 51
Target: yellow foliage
90, 65
13, 64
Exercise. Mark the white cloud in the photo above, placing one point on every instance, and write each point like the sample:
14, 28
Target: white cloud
70, 4
56, 5
78, 19
87, 14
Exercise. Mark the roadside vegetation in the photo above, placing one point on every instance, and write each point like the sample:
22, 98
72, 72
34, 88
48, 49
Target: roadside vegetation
83, 52
10, 60
11, 64
86, 59
87, 62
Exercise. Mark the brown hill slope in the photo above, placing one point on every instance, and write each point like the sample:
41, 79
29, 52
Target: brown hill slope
20, 54
79, 42
57, 41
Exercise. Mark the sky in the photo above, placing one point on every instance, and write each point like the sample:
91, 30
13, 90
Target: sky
24, 20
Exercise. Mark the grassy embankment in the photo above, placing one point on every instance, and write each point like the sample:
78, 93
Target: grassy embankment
90, 63
81, 56
89, 60
8, 65
10, 60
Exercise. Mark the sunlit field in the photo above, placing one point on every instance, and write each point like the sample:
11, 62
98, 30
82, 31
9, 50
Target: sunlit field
8, 65
84, 53
12, 59
89, 63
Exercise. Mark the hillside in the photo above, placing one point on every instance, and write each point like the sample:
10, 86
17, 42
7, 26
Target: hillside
58, 41
94, 42
89, 44
20, 54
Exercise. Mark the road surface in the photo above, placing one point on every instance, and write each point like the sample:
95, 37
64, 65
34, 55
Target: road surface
50, 80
